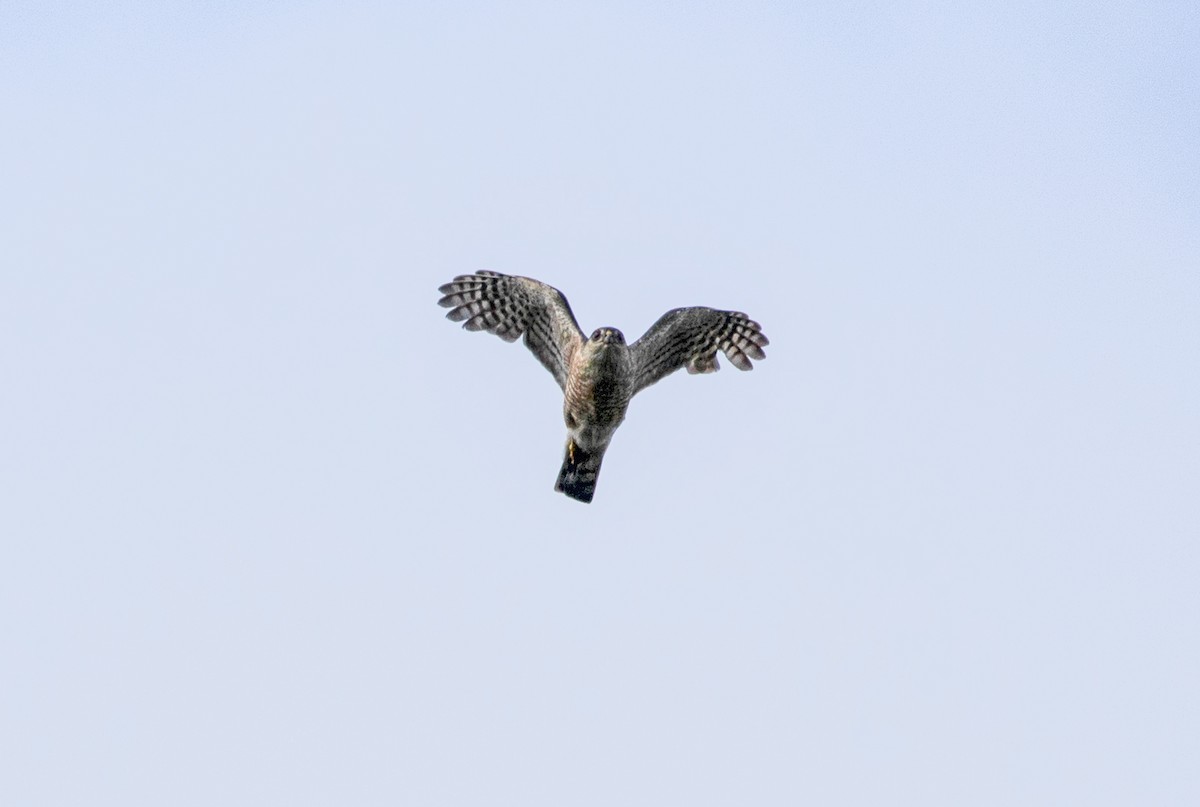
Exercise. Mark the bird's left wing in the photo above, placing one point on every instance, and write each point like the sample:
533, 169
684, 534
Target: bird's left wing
509, 306
691, 337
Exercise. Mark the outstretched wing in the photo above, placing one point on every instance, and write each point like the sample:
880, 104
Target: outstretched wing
691, 337
509, 306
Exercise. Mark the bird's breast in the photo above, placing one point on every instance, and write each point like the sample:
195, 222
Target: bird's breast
598, 391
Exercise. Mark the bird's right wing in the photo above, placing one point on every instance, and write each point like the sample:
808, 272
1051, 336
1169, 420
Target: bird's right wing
691, 337
509, 306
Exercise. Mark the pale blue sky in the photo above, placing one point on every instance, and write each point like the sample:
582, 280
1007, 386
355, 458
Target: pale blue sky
275, 532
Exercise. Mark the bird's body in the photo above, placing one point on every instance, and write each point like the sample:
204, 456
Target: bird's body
597, 396
598, 375
594, 404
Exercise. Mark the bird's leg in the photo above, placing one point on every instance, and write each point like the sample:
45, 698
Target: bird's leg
571, 450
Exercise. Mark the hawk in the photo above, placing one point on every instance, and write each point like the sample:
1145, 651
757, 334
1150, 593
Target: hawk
598, 374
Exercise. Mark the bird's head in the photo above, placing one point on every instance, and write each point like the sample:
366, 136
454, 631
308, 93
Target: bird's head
608, 336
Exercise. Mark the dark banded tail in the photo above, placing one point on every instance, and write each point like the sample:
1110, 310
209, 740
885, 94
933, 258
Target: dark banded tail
580, 468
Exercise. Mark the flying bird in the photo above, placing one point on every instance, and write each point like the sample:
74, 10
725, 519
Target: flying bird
598, 374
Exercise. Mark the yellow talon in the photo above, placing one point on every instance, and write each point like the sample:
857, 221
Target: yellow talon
571, 451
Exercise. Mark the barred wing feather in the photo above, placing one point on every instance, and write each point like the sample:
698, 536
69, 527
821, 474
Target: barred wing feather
510, 306
691, 337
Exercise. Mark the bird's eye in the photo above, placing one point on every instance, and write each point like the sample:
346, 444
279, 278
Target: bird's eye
596, 334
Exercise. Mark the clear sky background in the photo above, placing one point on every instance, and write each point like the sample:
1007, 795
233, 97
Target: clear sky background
275, 532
